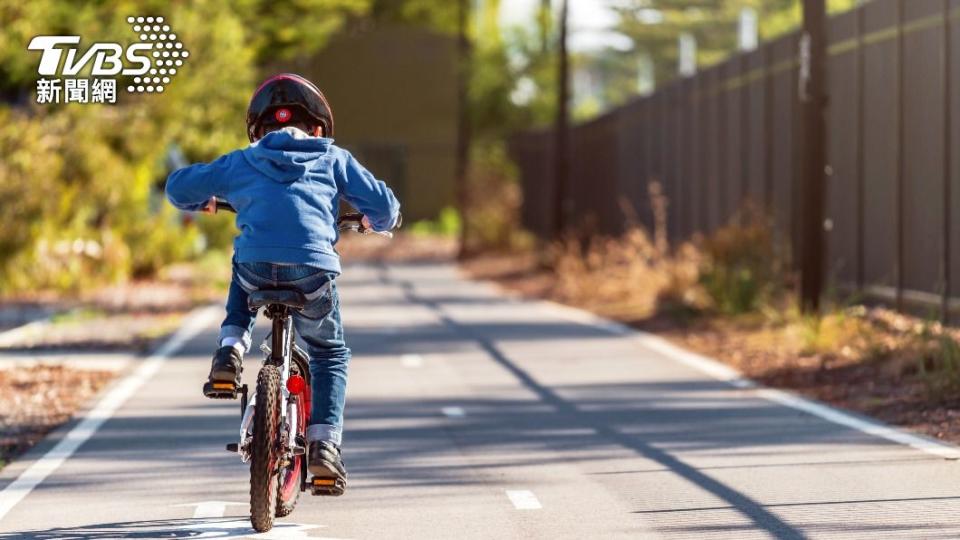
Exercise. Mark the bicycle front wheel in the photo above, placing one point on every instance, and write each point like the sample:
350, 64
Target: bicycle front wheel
264, 449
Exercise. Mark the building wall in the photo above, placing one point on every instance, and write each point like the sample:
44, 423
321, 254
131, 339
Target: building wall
394, 94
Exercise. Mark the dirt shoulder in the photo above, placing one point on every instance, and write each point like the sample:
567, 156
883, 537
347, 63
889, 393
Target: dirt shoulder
65, 348
872, 361
35, 400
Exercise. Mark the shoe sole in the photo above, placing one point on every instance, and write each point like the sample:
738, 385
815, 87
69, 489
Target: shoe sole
224, 376
325, 469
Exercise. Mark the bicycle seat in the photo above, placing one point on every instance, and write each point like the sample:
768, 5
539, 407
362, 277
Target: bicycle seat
284, 297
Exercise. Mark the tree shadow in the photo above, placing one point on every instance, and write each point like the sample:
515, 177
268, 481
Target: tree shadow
223, 528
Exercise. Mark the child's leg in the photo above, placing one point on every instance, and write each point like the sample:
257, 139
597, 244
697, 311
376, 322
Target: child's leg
237, 328
321, 329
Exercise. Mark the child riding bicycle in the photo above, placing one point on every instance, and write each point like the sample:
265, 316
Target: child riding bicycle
286, 187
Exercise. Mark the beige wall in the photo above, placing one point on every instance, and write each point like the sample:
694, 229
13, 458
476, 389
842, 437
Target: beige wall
393, 91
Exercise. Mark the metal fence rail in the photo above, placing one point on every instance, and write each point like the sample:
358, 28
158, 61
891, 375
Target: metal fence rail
728, 136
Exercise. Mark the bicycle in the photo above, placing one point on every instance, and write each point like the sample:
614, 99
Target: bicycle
274, 419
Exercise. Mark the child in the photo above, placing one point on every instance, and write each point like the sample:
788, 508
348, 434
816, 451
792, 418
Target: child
286, 187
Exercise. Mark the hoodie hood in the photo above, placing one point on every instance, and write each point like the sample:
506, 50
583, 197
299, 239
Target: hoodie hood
287, 154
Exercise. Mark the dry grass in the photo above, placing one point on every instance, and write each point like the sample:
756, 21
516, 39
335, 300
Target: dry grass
37, 399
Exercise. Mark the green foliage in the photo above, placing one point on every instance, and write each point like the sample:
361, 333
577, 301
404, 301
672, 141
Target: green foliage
939, 365
448, 223
741, 273
494, 200
654, 27
81, 183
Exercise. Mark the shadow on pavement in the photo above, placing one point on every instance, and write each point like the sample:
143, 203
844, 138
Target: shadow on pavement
601, 424
221, 528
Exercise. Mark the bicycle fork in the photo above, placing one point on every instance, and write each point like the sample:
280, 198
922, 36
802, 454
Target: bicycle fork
278, 352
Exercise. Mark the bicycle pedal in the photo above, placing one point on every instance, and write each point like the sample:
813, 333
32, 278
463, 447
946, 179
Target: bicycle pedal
328, 487
220, 390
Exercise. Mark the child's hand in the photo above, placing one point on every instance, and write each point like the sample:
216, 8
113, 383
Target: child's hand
211, 206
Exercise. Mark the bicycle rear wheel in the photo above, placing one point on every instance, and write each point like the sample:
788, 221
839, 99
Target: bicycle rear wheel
264, 449
295, 472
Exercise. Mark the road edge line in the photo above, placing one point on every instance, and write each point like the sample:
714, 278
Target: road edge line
106, 406
722, 372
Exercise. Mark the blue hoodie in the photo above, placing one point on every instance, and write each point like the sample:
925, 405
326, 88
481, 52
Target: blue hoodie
286, 188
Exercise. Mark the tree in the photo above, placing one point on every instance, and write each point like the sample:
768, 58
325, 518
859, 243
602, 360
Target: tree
655, 25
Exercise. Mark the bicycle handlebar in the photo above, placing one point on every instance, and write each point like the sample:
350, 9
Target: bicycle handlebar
347, 222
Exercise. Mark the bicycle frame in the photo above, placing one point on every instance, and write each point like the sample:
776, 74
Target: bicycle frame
280, 353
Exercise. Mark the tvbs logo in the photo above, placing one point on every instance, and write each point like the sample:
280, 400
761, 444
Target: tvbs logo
152, 62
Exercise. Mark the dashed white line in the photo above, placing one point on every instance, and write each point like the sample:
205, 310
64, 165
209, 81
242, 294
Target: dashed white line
411, 360
523, 499
453, 412
32, 477
210, 509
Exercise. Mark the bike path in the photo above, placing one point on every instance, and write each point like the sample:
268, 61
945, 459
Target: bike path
474, 415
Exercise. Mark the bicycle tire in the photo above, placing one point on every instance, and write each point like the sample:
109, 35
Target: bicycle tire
288, 489
263, 459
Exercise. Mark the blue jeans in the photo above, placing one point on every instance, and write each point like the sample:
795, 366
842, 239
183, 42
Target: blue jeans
318, 325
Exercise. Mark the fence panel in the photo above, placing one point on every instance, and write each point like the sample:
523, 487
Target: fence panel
923, 117
784, 104
755, 81
953, 200
881, 129
730, 132
728, 136
843, 185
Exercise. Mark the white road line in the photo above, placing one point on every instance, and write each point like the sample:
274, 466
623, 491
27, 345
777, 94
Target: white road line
15, 336
411, 360
210, 509
454, 412
523, 499
195, 323
733, 377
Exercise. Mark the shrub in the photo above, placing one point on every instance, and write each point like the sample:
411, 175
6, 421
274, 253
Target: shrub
741, 271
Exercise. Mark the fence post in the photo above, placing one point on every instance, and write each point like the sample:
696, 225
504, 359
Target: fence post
463, 122
947, 160
680, 157
768, 129
898, 268
744, 133
813, 74
861, 131
720, 130
561, 148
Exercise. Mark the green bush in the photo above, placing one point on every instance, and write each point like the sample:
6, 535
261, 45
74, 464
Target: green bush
741, 272
447, 224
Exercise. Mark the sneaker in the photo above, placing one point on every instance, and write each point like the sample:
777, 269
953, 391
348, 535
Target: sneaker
226, 366
323, 461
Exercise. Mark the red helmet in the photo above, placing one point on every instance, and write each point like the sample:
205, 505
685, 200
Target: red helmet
288, 99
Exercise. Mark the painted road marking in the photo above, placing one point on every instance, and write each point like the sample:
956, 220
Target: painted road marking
411, 360
223, 530
14, 336
454, 412
725, 373
210, 509
523, 499
195, 323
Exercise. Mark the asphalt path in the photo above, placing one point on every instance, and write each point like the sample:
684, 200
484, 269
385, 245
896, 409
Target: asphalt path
472, 414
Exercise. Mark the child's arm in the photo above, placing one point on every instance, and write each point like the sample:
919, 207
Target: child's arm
190, 188
370, 196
